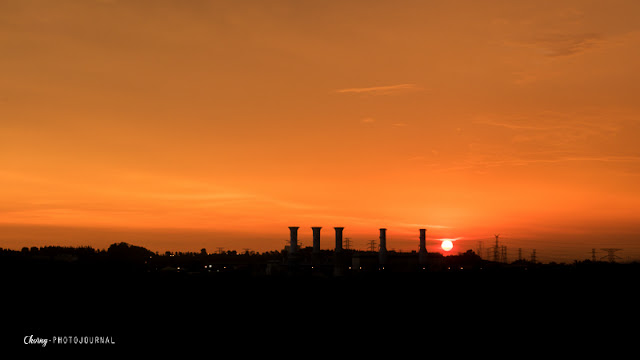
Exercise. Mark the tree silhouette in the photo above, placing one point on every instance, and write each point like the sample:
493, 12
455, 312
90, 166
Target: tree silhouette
126, 252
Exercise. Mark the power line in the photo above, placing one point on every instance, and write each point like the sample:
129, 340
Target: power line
611, 256
372, 245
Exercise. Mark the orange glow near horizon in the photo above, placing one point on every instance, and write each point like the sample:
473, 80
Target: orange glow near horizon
227, 122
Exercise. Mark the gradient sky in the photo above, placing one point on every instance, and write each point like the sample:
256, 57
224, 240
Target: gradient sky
178, 125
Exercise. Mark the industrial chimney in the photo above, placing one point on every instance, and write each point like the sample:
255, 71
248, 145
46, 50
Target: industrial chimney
338, 265
422, 253
383, 247
316, 239
338, 238
293, 239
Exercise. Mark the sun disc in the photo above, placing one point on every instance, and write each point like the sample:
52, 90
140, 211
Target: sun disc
447, 245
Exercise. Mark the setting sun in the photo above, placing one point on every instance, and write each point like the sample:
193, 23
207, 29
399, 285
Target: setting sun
446, 245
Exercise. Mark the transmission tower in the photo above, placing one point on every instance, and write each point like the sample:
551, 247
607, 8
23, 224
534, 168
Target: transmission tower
503, 253
496, 250
593, 255
480, 248
372, 245
533, 256
347, 243
611, 254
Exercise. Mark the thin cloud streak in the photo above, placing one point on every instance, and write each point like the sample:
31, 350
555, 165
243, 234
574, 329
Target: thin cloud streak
551, 122
225, 199
559, 45
380, 90
488, 163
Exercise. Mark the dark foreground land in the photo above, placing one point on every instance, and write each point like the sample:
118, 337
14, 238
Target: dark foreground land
300, 315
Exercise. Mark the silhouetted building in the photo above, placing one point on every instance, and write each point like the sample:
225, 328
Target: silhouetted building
338, 267
383, 254
293, 256
293, 240
422, 252
364, 262
315, 254
316, 239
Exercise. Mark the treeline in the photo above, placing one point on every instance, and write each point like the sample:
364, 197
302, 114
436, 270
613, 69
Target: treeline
124, 256
124, 250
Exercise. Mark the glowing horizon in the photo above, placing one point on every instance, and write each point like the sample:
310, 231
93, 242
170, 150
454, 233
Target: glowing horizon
229, 122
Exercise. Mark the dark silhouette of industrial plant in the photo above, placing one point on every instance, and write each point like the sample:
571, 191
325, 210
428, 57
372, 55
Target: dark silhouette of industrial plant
292, 261
142, 298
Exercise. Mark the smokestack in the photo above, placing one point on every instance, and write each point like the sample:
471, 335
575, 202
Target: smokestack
422, 253
316, 239
338, 265
293, 239
383, 247
338, 239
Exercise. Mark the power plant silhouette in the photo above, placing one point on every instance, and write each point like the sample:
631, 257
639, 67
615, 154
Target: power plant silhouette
341, 260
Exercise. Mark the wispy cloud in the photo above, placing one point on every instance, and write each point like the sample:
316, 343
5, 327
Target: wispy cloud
561, 44
563, 127
422, 225
380, 90
513, 124
195, 196
551, 137
482, 162
520, 161
369, 120
556, 45
222, 199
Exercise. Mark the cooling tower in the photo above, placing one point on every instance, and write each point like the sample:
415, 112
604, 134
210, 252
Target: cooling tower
422, 253
383, 247
316, 239
293, 239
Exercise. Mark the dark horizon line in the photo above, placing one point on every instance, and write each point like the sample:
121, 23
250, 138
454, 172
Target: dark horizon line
285, 251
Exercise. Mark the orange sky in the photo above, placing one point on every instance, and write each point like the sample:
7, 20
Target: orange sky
187, 124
